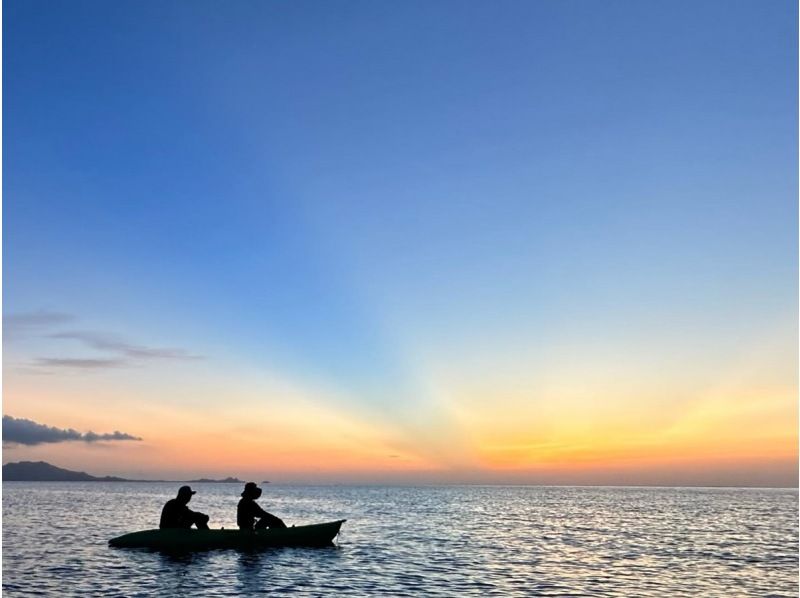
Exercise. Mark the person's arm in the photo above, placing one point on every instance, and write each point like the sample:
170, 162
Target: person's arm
200, 520
269, 518
258, 511
182, 515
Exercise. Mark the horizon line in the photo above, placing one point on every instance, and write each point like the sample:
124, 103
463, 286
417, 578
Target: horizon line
413, 485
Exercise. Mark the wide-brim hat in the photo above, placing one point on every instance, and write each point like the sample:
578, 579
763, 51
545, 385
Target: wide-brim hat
250, 489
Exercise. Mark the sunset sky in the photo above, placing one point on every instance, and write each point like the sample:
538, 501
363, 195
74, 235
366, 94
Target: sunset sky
514, 242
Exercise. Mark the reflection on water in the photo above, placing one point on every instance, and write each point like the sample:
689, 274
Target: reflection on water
431, 541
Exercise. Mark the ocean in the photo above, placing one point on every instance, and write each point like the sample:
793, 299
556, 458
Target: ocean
414, 541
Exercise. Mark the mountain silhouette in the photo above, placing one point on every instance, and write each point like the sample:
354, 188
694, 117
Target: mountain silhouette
40, 471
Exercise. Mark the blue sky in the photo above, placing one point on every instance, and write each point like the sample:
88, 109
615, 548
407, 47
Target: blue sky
360, 193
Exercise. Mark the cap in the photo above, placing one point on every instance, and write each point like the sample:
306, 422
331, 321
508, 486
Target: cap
186, 490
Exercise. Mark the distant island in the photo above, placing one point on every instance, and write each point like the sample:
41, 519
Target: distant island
40, 471
228, 480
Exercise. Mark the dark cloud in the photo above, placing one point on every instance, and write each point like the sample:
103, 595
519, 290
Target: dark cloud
115, 435
105, 342
28, 432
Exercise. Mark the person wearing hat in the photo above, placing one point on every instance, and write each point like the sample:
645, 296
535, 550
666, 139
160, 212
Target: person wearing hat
176, 514
248, 511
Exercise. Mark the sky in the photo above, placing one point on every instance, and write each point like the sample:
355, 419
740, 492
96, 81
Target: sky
548, 242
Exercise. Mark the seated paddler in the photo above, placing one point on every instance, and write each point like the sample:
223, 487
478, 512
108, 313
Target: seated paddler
248, 511
176, 513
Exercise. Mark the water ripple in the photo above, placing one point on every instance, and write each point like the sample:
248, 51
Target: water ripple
426, 541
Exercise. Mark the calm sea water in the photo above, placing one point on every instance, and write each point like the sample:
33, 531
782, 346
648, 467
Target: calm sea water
424, 541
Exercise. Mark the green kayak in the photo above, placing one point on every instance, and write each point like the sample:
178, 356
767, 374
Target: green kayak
320, 534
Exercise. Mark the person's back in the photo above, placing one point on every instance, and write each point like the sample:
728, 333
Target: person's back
177, 515
174, 515
247, 511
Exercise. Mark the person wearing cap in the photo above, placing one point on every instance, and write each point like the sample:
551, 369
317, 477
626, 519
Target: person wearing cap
248, 511
176, 514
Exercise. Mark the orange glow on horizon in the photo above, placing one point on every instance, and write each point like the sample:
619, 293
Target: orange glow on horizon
288, 434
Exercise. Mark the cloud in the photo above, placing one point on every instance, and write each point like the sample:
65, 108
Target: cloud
117, 351
105, 342
115, 435
22, 323
77, 363
30, 433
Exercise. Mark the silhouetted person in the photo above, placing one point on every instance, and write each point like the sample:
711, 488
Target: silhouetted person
176, 514
248, 511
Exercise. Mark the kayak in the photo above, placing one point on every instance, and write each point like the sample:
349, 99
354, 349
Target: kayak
320, 534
